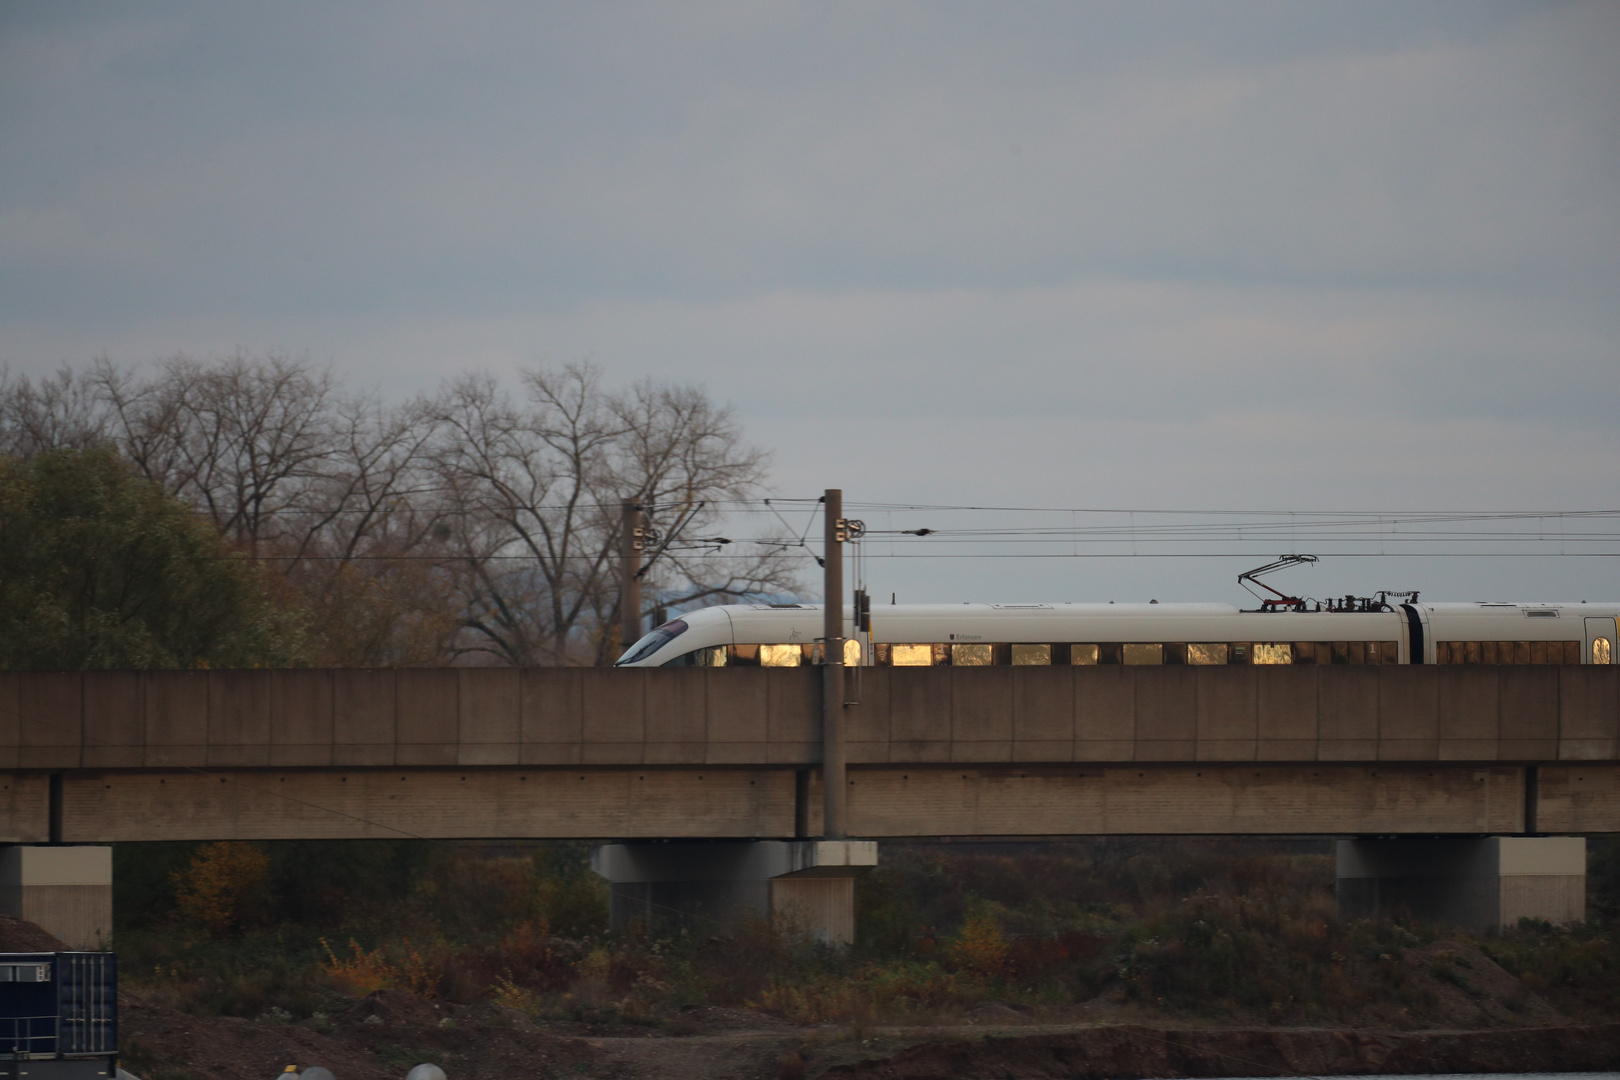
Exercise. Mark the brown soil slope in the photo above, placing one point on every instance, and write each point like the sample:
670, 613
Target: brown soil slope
379, 1038
1126, 1052
17, 935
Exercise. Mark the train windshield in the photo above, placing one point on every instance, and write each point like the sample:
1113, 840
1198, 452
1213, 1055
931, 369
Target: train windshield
656, 639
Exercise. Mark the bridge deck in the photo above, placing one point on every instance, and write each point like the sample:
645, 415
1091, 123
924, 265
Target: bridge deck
102, 756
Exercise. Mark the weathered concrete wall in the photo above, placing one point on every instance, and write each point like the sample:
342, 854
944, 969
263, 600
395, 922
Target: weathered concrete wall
809, 885
65, 890
362, 803
1303, 714
761, 802
406, 717
1578, 798
1483, 882
822, 907
761, 716
1221, 800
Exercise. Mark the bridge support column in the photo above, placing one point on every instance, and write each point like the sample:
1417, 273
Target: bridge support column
1479, 882
65, 890
807, 885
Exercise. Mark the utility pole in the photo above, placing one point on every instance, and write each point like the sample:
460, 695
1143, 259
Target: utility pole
629, 577
834, 785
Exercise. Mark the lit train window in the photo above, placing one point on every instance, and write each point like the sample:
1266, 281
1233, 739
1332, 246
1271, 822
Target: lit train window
911, 655
1144, 653
852, 653
1171, 653
1031, 655
1273, 652
780, 656
972, 655
715, 657
1601, 651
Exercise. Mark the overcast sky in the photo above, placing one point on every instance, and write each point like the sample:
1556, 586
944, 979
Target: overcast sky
1240, 255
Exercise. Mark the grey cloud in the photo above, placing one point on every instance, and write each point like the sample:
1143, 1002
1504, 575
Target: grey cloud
498, 157
1301, 252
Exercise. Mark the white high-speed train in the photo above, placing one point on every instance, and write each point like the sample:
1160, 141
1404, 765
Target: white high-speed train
972, 635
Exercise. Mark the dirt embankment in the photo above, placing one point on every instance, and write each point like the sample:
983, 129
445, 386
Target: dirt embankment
1475, 1016
382, 1036
379, 1038
17, 935
1136, 1051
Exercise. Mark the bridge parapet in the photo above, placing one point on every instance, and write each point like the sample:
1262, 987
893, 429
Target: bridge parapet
569, 717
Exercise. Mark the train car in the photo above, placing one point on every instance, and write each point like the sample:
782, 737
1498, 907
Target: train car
973, 635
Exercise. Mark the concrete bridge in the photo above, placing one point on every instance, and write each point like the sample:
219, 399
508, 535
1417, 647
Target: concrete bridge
731, 754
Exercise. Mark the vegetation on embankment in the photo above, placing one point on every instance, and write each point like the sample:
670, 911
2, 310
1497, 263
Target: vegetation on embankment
1228, 932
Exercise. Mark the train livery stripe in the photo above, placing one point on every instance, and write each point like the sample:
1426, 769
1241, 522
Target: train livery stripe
1414, 623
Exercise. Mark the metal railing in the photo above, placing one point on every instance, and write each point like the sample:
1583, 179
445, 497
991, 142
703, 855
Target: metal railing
26, 1036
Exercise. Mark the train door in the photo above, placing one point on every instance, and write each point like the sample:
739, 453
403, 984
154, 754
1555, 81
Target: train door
1599, 647
1418, 641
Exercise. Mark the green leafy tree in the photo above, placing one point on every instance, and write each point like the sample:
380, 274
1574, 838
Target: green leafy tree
100, 568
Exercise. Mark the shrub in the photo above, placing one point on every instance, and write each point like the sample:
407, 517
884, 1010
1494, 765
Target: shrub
223, 889
979, 948
363, 973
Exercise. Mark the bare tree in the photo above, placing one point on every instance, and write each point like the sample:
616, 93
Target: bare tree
684, 461
61, 412
332, 489
242, 439
366, 543
536, 486
472, 524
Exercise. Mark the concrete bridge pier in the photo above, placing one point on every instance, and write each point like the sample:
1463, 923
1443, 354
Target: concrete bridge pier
66, 890
1482, 882
808, 885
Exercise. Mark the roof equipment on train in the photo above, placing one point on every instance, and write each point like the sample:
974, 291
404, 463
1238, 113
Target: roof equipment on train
1278, 601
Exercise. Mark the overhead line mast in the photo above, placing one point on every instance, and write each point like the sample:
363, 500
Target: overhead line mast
833, 783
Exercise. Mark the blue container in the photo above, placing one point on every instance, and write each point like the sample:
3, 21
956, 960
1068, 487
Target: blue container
58, 1006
